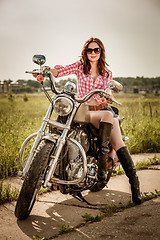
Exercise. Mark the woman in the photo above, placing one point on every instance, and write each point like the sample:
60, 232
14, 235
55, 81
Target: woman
92, 73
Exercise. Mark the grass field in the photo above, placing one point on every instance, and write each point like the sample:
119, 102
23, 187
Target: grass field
142, 124
22, 115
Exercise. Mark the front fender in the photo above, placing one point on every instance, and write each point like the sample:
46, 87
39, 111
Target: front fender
52, 138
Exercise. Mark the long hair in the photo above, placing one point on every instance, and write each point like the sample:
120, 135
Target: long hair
101, 62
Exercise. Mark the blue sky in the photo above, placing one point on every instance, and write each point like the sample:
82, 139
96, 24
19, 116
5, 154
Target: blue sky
129, 29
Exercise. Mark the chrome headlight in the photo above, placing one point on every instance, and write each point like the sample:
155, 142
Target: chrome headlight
63, 106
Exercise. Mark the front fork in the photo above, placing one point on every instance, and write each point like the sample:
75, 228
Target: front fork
39, 135
59, 146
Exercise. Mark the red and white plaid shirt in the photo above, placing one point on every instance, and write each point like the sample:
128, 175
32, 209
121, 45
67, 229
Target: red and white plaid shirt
85, 83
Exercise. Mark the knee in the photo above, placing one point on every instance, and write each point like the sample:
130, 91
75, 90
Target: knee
116, 121
107, 116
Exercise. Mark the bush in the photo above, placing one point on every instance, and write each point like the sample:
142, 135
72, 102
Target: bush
7, 193
142, 124
25, 98
18, 120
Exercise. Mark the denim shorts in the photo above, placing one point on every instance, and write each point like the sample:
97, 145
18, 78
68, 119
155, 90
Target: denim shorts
109, 108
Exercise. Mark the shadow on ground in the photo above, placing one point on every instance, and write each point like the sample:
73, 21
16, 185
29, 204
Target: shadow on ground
49, 220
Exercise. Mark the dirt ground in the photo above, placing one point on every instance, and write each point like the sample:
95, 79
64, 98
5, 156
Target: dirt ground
53, 210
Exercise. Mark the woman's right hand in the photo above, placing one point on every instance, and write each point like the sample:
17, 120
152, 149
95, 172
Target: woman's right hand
35, 74
54, 71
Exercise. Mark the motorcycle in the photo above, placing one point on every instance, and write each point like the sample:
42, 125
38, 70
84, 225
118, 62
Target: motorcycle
65, 150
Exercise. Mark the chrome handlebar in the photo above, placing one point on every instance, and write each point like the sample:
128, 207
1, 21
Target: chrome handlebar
96, 91
46, 73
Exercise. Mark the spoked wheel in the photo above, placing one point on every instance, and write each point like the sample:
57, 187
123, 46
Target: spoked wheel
33, 180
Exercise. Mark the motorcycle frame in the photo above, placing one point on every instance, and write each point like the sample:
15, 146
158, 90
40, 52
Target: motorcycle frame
60, 140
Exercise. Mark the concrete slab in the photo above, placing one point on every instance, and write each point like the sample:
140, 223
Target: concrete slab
144, 156
149, 181
55, 209
140, 222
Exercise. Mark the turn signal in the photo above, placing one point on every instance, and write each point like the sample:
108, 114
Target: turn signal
40, 78
103, 101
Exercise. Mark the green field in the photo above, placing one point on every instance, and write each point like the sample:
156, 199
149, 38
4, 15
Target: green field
22, 115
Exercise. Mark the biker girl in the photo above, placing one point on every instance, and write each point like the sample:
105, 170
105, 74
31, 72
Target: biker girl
92, 73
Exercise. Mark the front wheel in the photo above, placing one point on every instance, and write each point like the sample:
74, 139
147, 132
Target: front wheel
33, 180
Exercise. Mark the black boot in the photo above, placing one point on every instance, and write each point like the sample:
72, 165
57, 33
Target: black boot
130, 170
104, 138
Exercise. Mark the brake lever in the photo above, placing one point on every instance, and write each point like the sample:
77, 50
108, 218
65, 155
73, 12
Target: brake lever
112, 99
43, 71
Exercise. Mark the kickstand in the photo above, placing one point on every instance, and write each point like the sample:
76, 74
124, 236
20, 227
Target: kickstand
79, 197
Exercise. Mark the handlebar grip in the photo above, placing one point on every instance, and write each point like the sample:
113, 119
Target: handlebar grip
32, 72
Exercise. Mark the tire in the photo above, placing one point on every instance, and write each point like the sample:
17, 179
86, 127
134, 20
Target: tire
99, 186
33, 180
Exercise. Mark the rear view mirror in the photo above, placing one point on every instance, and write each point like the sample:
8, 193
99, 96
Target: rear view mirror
39, 59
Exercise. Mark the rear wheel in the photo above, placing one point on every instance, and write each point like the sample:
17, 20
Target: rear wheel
33, 180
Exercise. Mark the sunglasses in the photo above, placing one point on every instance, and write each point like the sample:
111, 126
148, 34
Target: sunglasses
95, 50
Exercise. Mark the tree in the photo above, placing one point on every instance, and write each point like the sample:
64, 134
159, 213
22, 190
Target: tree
33, 83
8, 81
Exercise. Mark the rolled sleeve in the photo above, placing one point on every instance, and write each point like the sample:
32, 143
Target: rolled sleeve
68, 69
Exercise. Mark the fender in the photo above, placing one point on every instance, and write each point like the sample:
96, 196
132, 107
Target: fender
52, 138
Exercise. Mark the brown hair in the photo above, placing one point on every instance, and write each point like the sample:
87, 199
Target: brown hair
101, 62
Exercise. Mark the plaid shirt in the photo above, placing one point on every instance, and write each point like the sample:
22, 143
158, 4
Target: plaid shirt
85, 83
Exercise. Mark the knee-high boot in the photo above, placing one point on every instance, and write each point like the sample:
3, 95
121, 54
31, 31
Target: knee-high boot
130, 171
104, 138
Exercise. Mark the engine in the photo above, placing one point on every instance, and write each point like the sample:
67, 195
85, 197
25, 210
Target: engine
74, 167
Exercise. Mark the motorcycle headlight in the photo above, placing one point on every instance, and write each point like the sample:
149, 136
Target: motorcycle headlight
63, 106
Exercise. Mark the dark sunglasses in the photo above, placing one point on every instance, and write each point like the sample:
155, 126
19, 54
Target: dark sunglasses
95, 50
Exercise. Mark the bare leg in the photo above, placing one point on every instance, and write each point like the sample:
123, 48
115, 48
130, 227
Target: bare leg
106, 116
112, 153
100, 116
116, 138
